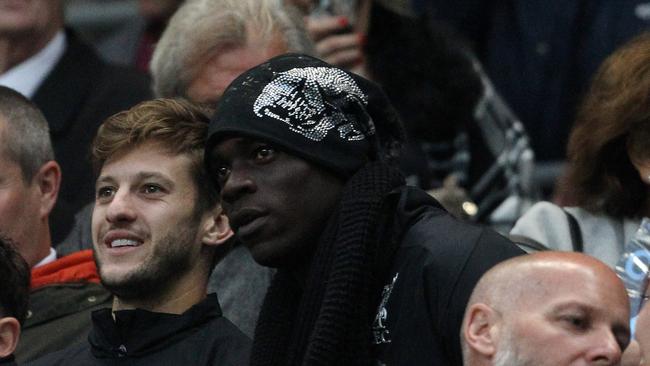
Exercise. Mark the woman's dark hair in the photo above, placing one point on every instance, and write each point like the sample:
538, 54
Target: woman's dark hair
613, 124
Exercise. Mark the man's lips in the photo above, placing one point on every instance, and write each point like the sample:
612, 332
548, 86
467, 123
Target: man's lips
245, 217
122, 239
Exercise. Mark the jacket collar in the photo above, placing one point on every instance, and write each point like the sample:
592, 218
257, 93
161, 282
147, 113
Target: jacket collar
135, 333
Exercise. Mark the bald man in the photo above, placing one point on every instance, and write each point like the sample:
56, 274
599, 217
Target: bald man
547, 308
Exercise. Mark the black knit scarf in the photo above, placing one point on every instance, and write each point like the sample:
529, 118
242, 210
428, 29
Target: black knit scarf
329, 322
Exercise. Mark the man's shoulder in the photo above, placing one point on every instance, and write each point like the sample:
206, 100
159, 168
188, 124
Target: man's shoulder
222, 328
437, 265
216, 342
430, 229
230, 344
60, 299
59, 315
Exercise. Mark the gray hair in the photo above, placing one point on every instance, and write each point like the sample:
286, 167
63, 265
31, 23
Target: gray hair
26, 138
199, 27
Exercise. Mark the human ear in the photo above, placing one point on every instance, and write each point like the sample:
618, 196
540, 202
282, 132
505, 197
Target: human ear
9, 335
481, 330
217, 228
48, 181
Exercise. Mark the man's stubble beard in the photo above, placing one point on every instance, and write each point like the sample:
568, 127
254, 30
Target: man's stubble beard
169, 260
509, 355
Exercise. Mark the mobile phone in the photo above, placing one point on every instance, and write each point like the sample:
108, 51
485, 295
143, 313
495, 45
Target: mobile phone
346, 8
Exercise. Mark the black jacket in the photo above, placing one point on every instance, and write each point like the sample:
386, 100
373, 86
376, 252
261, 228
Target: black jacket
200, 336
435, 270
75, 97
8, 361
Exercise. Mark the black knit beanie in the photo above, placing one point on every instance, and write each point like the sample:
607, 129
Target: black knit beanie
311, 109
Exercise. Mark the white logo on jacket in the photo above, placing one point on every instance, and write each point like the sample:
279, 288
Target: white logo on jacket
380, 331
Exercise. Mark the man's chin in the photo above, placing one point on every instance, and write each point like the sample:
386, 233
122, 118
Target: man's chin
265, 255
130, 286
270, 254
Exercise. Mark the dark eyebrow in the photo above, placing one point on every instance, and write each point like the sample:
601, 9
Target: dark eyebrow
153, 175
104, 179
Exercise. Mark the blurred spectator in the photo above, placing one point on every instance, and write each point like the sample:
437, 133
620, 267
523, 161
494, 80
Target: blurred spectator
14, 294
133, 43
63, 291
210, 42
541, 54
457, 124
548, 308
70, 84
608, 178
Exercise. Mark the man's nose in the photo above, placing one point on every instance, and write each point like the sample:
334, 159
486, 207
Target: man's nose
238, 183
121, 208
604, 350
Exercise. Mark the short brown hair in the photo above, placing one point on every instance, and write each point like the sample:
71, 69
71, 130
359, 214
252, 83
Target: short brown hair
181, 126
613, 120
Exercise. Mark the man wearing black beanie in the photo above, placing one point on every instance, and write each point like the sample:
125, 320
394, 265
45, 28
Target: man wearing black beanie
369, 271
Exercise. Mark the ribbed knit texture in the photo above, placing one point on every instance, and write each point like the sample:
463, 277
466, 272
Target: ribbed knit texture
329, 323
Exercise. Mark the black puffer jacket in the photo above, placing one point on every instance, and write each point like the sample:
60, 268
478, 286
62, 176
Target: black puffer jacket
435, 270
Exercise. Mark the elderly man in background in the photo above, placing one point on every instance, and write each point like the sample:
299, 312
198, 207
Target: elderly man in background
63, 290
208, 43
549, 308
14, 294
71, 85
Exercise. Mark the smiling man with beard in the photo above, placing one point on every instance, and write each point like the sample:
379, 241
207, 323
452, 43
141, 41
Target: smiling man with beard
157, 231
549, 308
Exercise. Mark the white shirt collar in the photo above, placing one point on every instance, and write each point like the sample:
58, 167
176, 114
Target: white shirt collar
49, 259
28, 75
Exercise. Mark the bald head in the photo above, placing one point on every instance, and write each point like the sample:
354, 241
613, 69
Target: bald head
554, 308
528, 278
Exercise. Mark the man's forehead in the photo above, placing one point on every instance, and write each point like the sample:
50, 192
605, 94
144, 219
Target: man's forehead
575, 285
151, 156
